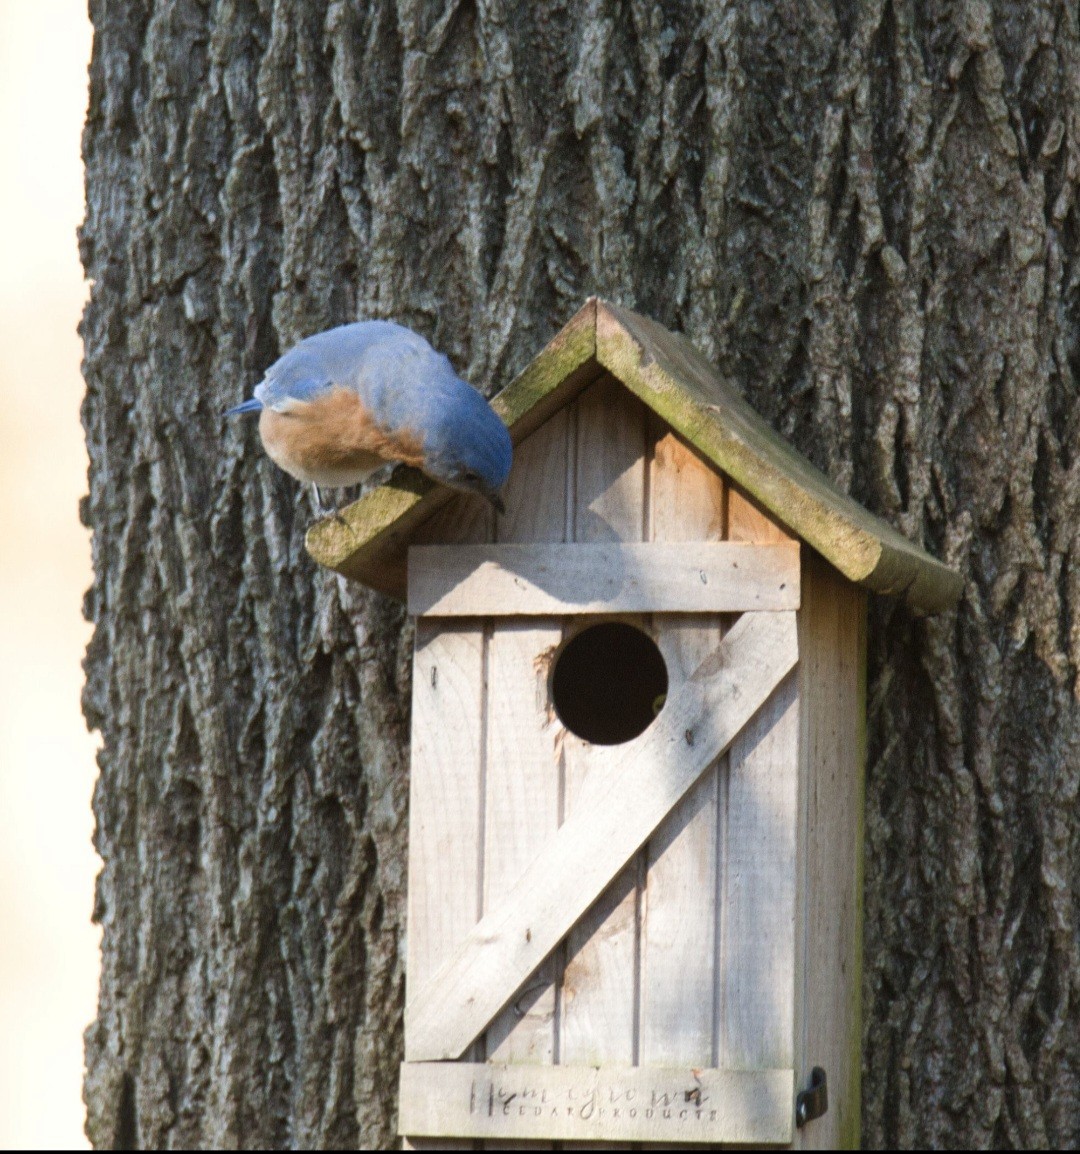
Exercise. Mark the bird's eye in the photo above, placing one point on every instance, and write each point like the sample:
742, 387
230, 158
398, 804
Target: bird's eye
470, 477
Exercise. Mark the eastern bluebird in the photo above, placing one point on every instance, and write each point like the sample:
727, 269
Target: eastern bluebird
344, 402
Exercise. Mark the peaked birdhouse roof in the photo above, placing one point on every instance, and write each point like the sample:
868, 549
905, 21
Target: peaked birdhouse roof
369, 540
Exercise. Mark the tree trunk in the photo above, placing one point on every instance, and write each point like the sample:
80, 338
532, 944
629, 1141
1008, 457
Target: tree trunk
864, 211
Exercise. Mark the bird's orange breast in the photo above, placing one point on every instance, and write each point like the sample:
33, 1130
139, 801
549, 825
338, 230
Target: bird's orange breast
334, 440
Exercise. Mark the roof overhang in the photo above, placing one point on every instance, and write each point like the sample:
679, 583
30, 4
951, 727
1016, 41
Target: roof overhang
368, 541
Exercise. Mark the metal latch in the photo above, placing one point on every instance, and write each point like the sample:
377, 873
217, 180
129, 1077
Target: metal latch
814, 1101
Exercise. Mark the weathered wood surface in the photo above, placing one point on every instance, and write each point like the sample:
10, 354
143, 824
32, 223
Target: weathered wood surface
653, 772
632, 979
679, 1013
593, 1104
599, 986
444, 793
444, 797
524, 802
521, 814
757, 899
541, 580
832, 749
759, 959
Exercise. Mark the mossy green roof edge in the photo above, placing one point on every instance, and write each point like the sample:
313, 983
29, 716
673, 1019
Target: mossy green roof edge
368, 540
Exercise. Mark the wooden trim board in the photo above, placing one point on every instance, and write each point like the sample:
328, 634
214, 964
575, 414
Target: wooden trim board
590, 1103
627, 800
553, 579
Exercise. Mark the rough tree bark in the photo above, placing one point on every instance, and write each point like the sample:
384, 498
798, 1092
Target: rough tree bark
865, 211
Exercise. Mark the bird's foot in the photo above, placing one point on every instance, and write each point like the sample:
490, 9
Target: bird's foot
325, 512
331, 515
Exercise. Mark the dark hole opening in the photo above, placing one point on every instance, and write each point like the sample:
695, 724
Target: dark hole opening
609, 683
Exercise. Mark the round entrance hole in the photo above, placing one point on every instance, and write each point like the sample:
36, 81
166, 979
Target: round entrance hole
609, 683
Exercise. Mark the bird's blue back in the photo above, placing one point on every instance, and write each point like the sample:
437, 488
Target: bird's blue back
336, 358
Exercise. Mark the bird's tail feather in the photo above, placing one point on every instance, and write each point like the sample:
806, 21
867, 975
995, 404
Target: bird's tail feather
252, 406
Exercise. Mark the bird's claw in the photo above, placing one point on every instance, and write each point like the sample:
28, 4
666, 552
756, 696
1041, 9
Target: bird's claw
330, 515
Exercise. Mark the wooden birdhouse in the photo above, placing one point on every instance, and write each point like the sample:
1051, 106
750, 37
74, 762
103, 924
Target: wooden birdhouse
635, 826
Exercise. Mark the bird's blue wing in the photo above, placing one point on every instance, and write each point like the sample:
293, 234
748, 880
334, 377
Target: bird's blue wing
333, 359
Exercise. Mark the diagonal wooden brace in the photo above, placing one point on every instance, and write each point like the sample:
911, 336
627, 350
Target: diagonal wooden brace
627, 800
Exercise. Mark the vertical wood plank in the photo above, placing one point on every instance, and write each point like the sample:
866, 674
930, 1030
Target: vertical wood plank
599, 989
444, 797
679, 910
446, 786
535, 494
445, 802
748, 521
760, 819
757, 935
609, 468
688, 499
522, 811
832, 674
524, 782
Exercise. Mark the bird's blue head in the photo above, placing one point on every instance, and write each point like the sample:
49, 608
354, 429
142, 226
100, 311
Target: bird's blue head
467, 446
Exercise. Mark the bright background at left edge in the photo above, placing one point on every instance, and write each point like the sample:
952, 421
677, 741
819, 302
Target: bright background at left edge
48, 946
